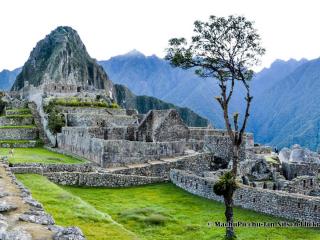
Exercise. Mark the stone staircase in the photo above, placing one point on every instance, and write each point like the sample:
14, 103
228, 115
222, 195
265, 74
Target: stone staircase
18, 129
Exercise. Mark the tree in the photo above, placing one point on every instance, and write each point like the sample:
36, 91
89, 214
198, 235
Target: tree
225, 49
56, 121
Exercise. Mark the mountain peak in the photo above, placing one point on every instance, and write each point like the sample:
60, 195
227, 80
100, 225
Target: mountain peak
61, 57
134, 52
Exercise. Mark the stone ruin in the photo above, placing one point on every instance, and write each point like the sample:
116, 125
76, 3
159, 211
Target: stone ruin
128, 149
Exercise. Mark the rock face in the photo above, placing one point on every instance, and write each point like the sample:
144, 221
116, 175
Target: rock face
62, 58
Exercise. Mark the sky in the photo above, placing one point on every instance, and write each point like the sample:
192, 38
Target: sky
288, 28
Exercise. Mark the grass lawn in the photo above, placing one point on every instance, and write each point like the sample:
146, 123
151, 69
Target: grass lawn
159, 211
38, 155
70, 210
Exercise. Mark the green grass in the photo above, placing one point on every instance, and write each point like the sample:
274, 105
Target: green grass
15, 127
70, 210
21, 111
79, 102
38, 155
162, 212
271, 160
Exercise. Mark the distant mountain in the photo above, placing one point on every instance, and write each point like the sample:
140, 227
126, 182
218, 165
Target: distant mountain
145, 103
285, 108
278, 116
61, 57
155, 77
7, 78
288, 112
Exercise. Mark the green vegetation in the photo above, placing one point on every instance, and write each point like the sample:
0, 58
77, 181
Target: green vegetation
38, 155
22, 126
271, 159
159, 211
19, 116
56, 121
79, 102
21, 111
70, 210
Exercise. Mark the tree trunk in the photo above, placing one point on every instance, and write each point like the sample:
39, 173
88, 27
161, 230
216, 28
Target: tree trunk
56, 143
235, 160
228, 197
228, 201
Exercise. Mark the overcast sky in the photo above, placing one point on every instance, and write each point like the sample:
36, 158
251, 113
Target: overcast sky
289, 28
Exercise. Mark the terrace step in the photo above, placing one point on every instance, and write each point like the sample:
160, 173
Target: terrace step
20, 143
18, 111
18, 133
16, 120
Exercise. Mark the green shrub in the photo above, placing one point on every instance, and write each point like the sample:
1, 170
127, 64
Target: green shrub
225, 182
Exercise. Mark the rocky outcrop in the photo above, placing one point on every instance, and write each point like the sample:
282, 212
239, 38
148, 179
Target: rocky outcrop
62, 58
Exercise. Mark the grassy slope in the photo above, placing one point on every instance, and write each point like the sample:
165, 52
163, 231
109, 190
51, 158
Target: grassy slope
185, 216
38, 155
70, 210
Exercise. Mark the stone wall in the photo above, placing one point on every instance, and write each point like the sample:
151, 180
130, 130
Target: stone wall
19, 144
220, 146
15, 121
60, 88
18, 133
111, 153
162, 126
90, 110
293, 170
196, 163
100, 179
84, 119
38, 122
304, 185
276, 203
40, 168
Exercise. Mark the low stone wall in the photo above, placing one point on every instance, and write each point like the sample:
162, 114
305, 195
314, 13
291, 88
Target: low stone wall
197, 163
276, 203
18, 133
16, 121
100, 179
40, 168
